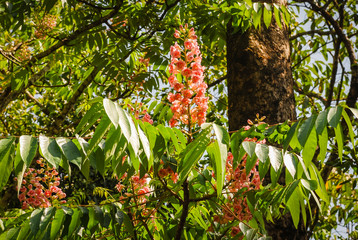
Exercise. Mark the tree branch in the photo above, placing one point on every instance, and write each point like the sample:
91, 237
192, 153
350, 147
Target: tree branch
337, 46
217, 81
8, 94
71, 103
353, 91
32, 98
311, 32
185, 211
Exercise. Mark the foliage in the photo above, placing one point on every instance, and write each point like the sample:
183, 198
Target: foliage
83, 84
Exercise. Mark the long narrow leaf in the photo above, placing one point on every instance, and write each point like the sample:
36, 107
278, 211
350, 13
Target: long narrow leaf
6, 160
50, 150
28, 148
193, 152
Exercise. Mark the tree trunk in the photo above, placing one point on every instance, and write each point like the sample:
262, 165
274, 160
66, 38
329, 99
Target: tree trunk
259, 75
260, 81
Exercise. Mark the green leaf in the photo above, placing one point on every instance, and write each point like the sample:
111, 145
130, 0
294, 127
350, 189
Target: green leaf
262, 152
193, 152
334, 116
249, 147
223, 141
6, 160
244, 228
111, 111
46, 217
256, 6
350, 128
98, 135
124, 123
57, 224
50, 150
339, 139
310, 147
323, 144
290, 164
24, 232
309, 184
145, 145
70, 151
219, 165
290, 189
197, 216
85, 164
35, 220
128, 223
174, 139
293, 205
275, 158
321, 121
75, 222
354, 111
111, 144
321, 188
267, 16
251, 233
134, 139
28, 148
91, 116
290, 135
305, 130
163, 131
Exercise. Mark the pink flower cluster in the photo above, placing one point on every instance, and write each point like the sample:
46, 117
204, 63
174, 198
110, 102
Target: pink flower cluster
40, 187
236, 207
189, 104
45, 26
167, 171
138, 192
140, 113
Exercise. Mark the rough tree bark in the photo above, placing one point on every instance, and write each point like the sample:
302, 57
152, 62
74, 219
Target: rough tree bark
259, 75
260, 81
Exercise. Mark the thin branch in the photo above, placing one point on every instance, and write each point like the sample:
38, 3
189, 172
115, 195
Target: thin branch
71, 103
310, 54
8, 94
51, 86
337, 45
310, 94
32, 98
95, 6
217, 81
185, 211
341, 82
353, 91
311, 32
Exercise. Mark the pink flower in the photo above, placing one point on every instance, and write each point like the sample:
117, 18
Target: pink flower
177, 34
192, 84
187, 72
187, 93
25, 205
162, 172
48, 193
22, 197
38, 191
31, 193
180, 65
172, 80
178, 87
147, 119
235, 231
188, 44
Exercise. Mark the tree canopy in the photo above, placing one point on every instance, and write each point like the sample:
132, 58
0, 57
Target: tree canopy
114, 121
